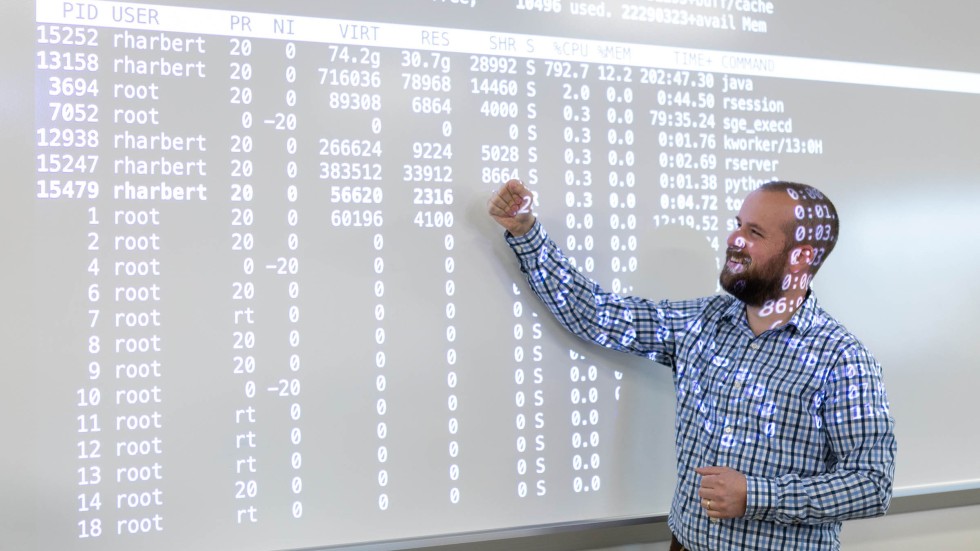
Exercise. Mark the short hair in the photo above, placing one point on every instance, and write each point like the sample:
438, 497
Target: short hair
814, 223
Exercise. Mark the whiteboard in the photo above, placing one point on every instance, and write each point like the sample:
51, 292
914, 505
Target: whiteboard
254, 299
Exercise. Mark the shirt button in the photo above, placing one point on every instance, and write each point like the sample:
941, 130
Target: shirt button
737, 385
754, 346
728, 430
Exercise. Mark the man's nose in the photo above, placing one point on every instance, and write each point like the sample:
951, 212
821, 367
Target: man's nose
736, 240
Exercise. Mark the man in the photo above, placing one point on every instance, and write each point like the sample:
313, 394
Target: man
782, 426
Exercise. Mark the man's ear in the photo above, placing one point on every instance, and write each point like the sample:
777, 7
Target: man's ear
800, 258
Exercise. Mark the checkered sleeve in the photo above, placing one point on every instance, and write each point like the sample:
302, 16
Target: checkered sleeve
628, 324
853, 415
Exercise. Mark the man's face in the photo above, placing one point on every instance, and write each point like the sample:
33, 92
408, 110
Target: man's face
758, 250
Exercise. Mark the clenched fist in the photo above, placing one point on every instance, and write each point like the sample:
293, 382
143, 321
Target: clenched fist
510, 206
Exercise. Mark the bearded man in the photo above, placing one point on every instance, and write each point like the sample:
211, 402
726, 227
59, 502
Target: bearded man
782, 427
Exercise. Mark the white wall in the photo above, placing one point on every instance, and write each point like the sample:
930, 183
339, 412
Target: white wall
952, 529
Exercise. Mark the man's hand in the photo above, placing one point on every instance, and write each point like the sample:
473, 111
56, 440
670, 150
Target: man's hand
723, 492
510, 206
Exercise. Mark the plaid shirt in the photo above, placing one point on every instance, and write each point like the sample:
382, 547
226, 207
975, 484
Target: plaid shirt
800, 410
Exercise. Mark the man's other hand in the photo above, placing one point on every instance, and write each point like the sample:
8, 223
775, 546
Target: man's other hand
723, 492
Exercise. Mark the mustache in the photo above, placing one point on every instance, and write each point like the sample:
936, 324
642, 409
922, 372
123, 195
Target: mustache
735, 254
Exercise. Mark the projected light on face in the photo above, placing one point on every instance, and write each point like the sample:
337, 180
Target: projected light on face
751, 282
785, 231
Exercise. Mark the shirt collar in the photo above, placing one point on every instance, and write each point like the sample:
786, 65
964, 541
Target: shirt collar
804, 317
801, 321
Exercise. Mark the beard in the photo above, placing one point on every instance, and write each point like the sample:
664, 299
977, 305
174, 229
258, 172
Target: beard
753, 285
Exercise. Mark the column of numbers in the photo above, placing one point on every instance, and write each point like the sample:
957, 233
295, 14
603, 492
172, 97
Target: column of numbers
529, 377
585, 419
684, 126
66, 140
621, 160
242, 196
577, 161
381, 380
519, 150
425, 77
352, 164
505, 114
289, 266
579, 123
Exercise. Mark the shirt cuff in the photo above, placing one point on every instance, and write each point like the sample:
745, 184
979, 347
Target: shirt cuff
760, 497
528, 245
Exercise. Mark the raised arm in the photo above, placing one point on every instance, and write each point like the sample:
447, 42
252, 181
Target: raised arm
581, 305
